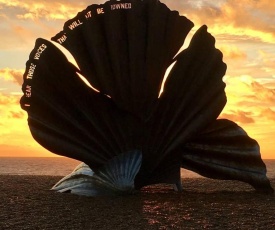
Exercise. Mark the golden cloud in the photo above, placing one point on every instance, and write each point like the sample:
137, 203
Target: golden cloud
254, 100
13, 119
230, 20
232, 52
10, 109
262, 94
233, 19
24, 21
267, 59
50, 10
12, 75
251, 105
246, 89
7, 100
15, 137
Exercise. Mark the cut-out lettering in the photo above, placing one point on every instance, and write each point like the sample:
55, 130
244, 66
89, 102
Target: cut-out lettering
31, 71
62, 39
88, 15
75, 24
28, 91
123, 6
100, 11
40, 50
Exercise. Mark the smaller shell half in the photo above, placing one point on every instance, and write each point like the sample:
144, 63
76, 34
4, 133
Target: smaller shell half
116, 177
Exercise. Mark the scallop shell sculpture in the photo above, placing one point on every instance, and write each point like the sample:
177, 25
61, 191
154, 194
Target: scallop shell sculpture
126, 133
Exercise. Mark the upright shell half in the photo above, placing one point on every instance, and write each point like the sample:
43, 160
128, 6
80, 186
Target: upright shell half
116, 121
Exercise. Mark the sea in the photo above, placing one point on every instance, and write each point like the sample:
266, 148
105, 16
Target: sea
61, 166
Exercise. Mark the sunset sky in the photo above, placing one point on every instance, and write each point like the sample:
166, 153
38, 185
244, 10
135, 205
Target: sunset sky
244, 32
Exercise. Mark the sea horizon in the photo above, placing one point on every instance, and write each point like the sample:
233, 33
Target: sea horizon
61, 166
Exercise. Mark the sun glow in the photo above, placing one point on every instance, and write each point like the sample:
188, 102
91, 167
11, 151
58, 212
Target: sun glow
244, 32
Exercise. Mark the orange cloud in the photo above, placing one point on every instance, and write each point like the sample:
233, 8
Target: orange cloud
238, 116
269, 114
270, 84
15, 35
17, 114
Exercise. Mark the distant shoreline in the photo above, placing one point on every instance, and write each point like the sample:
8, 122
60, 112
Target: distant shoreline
61, 166
27, 203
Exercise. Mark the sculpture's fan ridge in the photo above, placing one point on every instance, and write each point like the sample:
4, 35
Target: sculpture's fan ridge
116, 177
123, 49
225, 151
